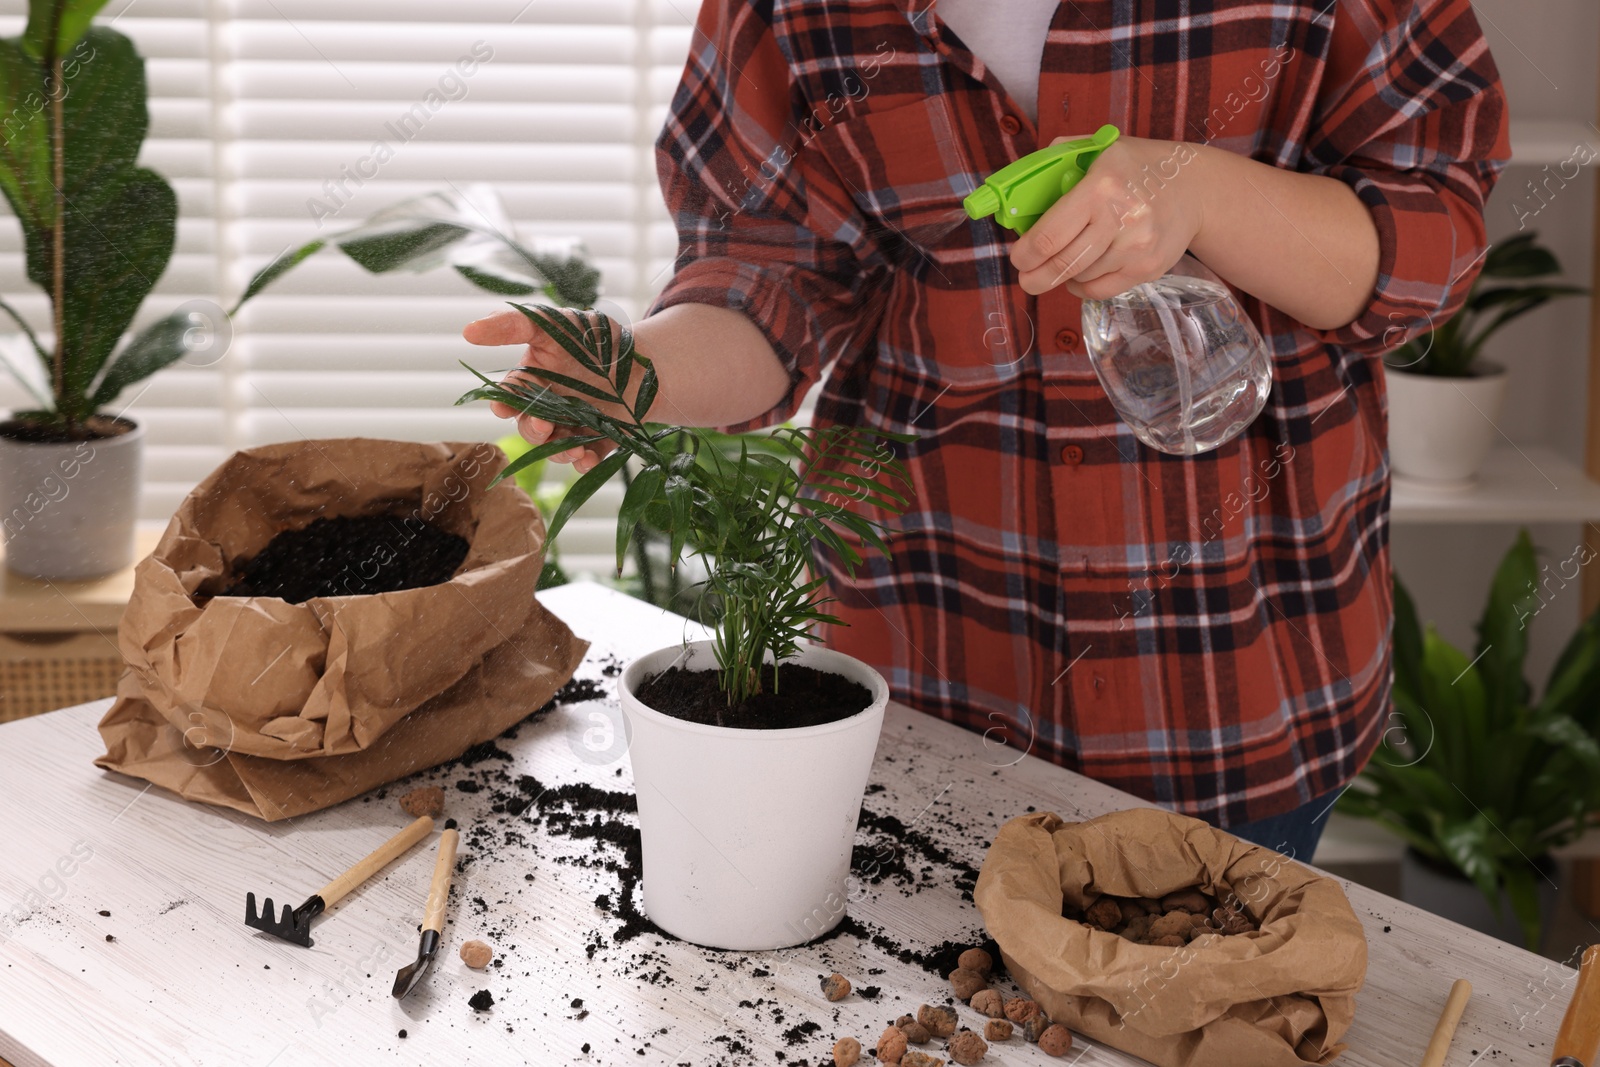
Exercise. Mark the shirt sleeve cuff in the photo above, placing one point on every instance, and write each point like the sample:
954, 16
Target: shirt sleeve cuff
780, 304
1429, 242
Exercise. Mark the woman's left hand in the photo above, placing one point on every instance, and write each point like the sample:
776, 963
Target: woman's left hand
1128, 221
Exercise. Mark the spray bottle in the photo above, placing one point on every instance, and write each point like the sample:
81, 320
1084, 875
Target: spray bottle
1182, 363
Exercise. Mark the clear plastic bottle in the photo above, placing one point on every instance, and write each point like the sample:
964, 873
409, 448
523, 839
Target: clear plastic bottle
1183, 365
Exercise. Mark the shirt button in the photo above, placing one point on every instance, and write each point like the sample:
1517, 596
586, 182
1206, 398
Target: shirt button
1072, 455
1067, 339
1010, 126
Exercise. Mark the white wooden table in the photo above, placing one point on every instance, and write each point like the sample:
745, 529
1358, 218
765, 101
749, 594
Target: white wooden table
185, 982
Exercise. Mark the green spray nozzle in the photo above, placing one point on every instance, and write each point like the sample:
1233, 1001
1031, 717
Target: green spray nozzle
1018, 193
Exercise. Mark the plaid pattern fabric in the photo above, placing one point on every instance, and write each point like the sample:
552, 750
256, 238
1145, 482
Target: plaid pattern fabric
1210, 633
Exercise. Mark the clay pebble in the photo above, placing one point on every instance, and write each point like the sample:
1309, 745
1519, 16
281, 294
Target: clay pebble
940, 1021
891, 1046
1174, 922
967, 1048
989, 1002
1105, 913
1189, 900
476, 954
424, 800
966, 983
975, 959
915, 1032
1056, 1040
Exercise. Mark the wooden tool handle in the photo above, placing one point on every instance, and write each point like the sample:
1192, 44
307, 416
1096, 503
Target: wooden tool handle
380, 858
439, 891
1449, 1019
1579, 1038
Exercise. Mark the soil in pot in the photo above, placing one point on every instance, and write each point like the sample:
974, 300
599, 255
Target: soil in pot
349, 556
807, 697
94, 428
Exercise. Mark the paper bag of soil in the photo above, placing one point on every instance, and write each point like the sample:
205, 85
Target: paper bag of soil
277, 708
1281, 995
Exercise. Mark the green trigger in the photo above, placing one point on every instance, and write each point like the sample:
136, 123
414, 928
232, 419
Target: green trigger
1018, 193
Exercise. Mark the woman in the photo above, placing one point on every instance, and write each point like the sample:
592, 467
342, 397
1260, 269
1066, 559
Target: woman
1207, 632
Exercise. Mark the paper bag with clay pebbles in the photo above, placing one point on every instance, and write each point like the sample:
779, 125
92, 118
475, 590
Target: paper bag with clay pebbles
1277, 990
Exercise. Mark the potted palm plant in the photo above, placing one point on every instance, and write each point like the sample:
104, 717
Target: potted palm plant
1480, 779
98, 232
1444, 400
750, 751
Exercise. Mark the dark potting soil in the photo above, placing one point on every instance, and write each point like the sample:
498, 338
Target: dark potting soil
349, 556
482, 1000
806, 697
536, 825
94, 428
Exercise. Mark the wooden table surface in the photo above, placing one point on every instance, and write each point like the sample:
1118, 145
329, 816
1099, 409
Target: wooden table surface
185, 982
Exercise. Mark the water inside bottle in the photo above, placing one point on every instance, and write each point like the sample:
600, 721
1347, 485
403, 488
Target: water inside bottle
1184, 366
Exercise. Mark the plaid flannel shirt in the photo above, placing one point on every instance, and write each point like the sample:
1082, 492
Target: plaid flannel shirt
1210, 632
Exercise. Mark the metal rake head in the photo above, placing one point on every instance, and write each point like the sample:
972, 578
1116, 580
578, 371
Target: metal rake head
293, 926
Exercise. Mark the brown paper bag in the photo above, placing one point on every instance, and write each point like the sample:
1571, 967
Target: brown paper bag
1282, 996
334, 678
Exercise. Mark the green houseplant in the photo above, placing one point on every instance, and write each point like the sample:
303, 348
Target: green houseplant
98, 232
1476, 775
673, 582
530, 478
748, 786
1443, 397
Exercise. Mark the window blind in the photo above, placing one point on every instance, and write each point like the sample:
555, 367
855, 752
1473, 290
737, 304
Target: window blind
278, 121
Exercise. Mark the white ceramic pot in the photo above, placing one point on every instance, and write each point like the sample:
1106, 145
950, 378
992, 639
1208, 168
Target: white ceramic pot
1441, 429
746, 834
1452, 896
67, 511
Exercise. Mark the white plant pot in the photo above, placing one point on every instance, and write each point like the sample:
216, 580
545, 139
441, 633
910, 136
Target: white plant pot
1455, 898
746, 834
67, 511
1441, 429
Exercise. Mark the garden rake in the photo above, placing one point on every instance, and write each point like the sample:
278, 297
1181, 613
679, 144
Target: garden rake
295, 924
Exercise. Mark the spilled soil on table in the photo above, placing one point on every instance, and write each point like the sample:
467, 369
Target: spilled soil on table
532, 823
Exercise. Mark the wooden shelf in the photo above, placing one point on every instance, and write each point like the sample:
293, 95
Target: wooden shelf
32, 605
1542, 142
1521, 484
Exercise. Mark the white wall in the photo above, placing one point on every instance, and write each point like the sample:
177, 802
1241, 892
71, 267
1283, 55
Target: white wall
1547, 55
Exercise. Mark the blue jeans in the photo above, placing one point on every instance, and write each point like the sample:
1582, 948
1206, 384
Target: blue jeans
1294, 833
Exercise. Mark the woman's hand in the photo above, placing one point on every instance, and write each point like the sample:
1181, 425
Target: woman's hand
511, 327
1303, 243
1128, 221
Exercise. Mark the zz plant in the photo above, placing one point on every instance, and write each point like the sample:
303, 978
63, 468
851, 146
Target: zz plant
751, 515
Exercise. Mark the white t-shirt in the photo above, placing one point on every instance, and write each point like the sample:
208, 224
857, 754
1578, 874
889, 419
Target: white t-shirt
1008, 35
